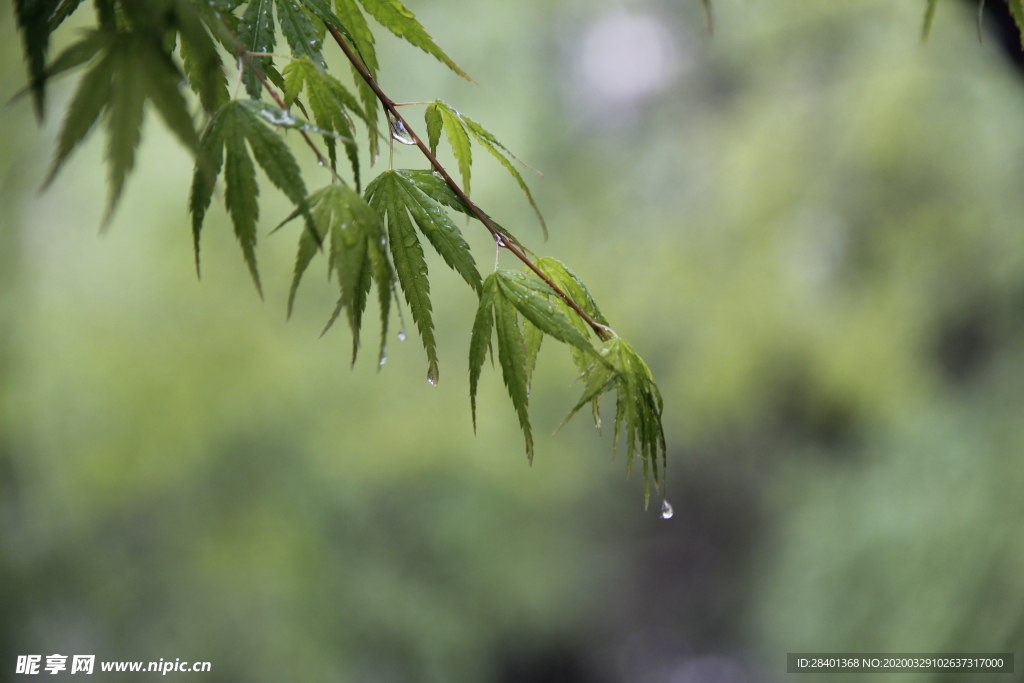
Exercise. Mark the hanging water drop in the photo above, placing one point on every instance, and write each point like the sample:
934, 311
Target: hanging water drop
432, 377
383, 356
400, 134
666, 510
401, 335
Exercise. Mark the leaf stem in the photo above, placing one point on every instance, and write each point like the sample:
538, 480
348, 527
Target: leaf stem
604, 333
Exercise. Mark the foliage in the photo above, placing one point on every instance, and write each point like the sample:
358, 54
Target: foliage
142, 50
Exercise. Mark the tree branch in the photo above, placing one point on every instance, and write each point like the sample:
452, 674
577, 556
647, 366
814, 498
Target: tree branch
603, 332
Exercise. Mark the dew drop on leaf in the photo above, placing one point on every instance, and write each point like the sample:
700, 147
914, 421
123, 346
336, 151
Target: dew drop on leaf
401, 335
400, 134
666, 510
383, 356
431, 377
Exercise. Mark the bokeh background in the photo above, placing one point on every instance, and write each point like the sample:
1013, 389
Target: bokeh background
808, 223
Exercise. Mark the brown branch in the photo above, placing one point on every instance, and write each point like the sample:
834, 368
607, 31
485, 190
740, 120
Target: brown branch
602, 332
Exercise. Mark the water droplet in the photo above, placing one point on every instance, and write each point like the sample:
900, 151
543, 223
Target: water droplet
383, 356
500, 242
320, 162
400, 134
666, 510
401, 335
432, 377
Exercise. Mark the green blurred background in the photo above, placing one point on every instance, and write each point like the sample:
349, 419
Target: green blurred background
808, 223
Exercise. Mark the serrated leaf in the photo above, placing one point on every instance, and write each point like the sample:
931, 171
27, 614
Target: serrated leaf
570, 283
1017, 11
200, 58
536, 301
86, 105
459, 140
480, 341
407, 255
257, 32
512, 357
298, 30
432, 117
394, 16
308, 245
329, 101
353, 20
209, 162
494, 146
533, 337
435, 223
434, 186
63, 11
75, 55
241, 192
124, 120
273, 156
33, 18
161, 82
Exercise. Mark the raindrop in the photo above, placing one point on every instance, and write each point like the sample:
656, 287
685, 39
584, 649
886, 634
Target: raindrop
432, 377
320, 162
666, 510
400, 134
383, 356
401, 335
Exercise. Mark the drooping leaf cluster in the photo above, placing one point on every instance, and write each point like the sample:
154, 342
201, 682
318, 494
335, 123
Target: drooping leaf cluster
141, 52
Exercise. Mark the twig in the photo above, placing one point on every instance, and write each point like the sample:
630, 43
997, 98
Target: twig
603, 332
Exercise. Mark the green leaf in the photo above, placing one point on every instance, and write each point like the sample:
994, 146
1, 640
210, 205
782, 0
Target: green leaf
432, 116
570, 283
75, 55
1017, 11
233, 125
438, 227
493, 145
536, 301
308, 245
407, 254
241, 191
459, 140
199, 54
434, 186
256, 30
638, 407
273, 156
480, 340
533, 336
124, 119
512, 357
353, 20
298, 30
161, 81
362, 37
394, 16
86, 105
209, 162
63, 11
329, 101
33, 18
